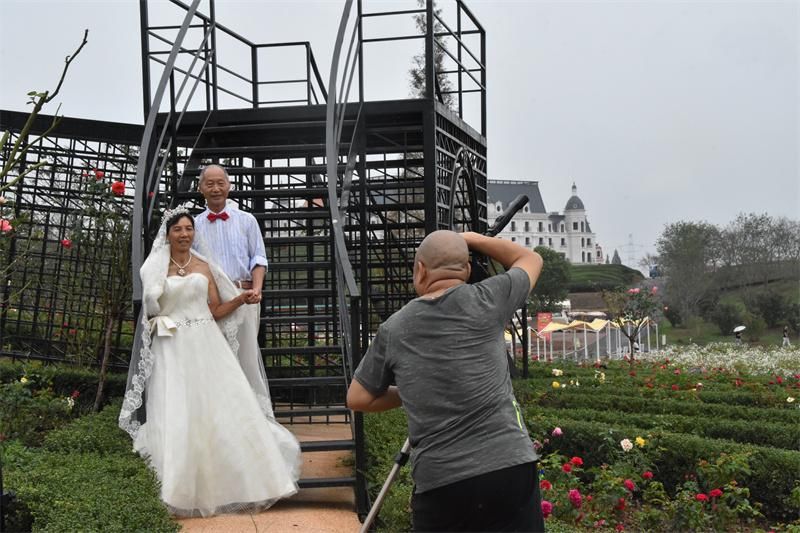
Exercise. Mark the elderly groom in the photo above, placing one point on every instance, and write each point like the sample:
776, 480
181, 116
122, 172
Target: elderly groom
234, 239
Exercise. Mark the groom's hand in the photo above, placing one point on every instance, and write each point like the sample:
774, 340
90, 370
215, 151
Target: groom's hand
253, 296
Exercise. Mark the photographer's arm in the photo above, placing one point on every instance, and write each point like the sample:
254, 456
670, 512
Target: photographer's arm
507, 253
360, 399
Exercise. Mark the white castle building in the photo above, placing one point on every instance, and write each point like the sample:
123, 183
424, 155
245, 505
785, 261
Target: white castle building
567, 233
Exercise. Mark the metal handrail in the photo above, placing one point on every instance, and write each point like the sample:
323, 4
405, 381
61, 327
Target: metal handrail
212, 81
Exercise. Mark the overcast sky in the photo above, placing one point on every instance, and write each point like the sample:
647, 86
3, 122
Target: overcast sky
658, 111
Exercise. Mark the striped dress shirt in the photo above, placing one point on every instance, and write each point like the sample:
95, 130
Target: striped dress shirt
236, 244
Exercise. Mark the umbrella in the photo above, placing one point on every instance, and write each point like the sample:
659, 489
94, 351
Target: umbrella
737, 329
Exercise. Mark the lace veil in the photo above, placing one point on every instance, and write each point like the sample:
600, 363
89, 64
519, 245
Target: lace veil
154, 275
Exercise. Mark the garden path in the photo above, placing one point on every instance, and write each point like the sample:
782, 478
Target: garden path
326, 510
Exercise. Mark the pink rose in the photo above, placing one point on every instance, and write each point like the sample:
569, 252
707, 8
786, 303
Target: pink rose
5, 225
647, 475
557, 432
575, 498
547, 508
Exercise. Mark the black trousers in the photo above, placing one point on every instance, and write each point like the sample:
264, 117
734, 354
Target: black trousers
503, 500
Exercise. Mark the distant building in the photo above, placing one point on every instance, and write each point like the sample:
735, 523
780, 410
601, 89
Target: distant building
567, 233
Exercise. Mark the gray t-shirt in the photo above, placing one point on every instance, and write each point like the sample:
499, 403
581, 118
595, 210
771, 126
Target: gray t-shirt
448, 358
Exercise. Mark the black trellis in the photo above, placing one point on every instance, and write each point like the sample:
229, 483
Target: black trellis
50, 308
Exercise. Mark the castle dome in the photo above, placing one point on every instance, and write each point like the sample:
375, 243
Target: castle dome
574, 203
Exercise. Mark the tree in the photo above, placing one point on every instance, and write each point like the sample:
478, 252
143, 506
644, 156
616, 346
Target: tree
417, 71
103, 224
551, 288
630, 311
14, 155
689, 258
616, 260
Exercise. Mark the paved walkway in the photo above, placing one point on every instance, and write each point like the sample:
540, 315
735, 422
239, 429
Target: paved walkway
327, 510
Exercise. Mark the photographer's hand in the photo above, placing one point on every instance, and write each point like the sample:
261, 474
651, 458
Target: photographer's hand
507, 253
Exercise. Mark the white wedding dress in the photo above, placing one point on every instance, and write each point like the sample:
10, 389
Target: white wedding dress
206, 437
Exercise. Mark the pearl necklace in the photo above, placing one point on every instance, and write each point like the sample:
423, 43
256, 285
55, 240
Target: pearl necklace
181, 268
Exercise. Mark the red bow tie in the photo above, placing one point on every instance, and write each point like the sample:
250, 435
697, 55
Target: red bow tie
212, 217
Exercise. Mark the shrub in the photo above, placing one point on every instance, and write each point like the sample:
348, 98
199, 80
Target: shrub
85, 478
26, 413
770, 305
675, 455
728, 315
673, 315
755, 326
64, 380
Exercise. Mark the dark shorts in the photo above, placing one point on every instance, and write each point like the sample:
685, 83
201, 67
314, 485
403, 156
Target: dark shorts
503, 500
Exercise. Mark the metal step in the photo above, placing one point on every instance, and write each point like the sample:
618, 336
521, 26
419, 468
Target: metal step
312, 411
327, 445
289, 319
324, 482
302, 350
269, 171
308, 381
299, 265
269, 126
300, 239
297, 293
304, 214
317, 148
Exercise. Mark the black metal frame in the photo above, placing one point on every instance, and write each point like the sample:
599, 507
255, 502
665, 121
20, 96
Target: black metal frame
344, 189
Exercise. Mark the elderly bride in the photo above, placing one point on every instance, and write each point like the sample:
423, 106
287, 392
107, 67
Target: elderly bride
204, 433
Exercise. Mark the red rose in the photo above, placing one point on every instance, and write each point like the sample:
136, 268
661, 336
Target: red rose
589, 498
66, 243
629, 485
675, 387
99, 174
545, 485
701, 497
677, 371
118, 188
715, 493
576, 461
632, 373
620, 527
649, 385
647, 475
73, 331
75, 394
620, 505
567, 468
779, 380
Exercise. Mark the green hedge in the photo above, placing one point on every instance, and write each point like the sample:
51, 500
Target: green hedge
711, 393
611, 401
773, 434
64, 379
84, 478
674, 455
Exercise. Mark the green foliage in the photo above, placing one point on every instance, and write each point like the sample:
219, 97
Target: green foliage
755, 326
727, 316
596, 277
551, 287
385, 434
770, 305
26, 413
85, 478
64, 380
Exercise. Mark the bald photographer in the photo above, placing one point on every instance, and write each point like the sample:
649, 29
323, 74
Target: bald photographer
473, 463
